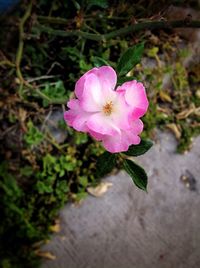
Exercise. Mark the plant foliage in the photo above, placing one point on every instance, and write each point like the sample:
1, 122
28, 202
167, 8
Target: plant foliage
47, 164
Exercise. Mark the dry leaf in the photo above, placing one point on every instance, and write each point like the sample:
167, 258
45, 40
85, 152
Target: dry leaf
164, 110
22, 118
198, 93
38, 244
164, 96
56, 227
45, 254
184, 114
22, 114
174, 128
101, 189
154, 39
17, 81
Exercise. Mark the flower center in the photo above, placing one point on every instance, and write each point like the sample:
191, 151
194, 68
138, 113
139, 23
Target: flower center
108, 108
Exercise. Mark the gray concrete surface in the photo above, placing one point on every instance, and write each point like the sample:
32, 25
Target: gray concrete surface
127, 228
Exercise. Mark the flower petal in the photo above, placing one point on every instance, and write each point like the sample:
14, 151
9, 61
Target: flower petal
76, 117
80, 84
80, 122
121, 112
108, 76
102, 124
137, 126
73, 104
92, 97
135, 97
115, 144
69, 117
95, 135
121, 142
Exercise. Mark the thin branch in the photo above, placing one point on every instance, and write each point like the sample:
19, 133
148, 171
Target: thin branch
19, 58
7, 62
21, 42
48, 30
43, 77
62, 21
150, 25
53, 20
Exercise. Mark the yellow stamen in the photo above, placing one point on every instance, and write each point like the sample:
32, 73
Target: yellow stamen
108, 108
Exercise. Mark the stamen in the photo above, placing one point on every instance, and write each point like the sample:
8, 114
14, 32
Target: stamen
108, 108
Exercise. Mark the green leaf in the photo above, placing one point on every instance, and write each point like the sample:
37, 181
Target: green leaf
26, 171
33, 135
98, 3
130, 58
124, 79
43, 188
105, 164
76, 4
83, 180
137, 174
80, 138
98, 61
143, 147
54, 92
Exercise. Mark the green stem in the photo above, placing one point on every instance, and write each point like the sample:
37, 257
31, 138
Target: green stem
21, 42
19, 58
7, 62
62, 21
77, 33
52, 20
51, 140
150, 25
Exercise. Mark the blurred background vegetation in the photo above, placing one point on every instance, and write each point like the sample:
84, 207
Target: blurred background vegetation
45, 46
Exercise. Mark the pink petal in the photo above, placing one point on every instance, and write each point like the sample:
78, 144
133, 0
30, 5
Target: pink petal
135, 96
121, 112
125, 86
79, 87
98, 88
137, 126
92, 97
102, 124
73, 104
80, 84
108, 76
121, 142
69, 117
95, 135
76, 117
80, 121
115, 144
131, 138
104, 73
71, 114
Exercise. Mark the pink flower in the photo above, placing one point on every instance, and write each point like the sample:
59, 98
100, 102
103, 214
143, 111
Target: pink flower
108, 115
